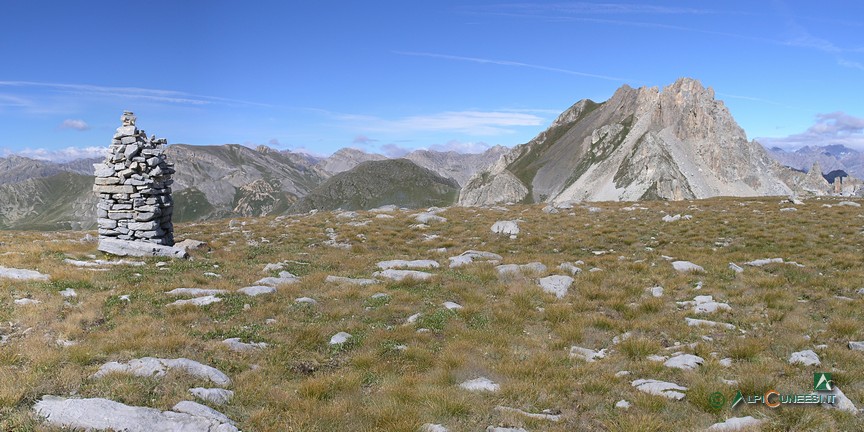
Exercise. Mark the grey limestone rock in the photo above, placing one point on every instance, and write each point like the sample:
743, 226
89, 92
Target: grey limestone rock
98, 413
150, 366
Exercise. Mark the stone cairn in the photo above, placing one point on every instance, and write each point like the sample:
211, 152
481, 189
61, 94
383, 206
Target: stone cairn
134, 187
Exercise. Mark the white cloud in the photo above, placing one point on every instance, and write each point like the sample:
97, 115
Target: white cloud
79, 125
850, 64
829, 129
461, 146
157, 95
62, 155
467, 122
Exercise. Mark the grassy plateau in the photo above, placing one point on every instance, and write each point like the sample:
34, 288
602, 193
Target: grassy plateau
391, 377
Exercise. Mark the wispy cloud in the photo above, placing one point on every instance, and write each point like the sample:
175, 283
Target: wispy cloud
850, 64
832, 128
157, 95
363, 140
75, 124
511, 63
586, 8
461, 146
750, 98
481, 123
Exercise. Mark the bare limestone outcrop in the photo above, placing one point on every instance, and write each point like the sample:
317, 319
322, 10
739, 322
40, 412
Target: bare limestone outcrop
677, 143
134, 187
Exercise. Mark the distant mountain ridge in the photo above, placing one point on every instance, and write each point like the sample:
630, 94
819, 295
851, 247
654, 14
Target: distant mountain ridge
212, 181
830, 158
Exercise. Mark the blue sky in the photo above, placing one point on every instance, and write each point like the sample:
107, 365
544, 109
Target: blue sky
387, 76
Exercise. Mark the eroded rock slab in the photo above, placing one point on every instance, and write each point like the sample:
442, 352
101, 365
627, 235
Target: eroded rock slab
684, 361
151, 366
256, 290
191, 292
470, 256
587, 354
556, 284
101, 414
22, 274
399, 275
216, 396
806, 358
139, 249
686, 266
283, 279
197, 301
414, 264
351, 281
510, 227
235, 344
660, 388
480, 384
736, 424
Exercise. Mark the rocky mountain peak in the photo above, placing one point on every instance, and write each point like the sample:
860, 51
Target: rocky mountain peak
678, 143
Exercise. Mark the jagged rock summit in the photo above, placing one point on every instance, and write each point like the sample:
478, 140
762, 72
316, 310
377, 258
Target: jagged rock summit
678, 143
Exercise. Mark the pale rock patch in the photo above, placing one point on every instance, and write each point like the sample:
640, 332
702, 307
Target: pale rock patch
569, 268
340, 338
510, 227
693, 322
236, 345
414, 264
351, 281
157, 367
480, 384
216, 396
660, 388
806, 358
399, 275
684, 361
425, 218
470, 256
656, 291
198, 410
256, 290
197, 301
686, 266
102, 263
556, 284
306, 300
587, 354
537, 416
735, 267
856, 346
191, 292
764, 261
26, 302
622, 404
849, 203
22, 274
736, 424
518, 269
283, 279
451, 305
433, 427
705, 305
98, 413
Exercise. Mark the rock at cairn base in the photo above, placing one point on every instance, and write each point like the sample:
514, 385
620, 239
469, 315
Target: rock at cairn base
134, 187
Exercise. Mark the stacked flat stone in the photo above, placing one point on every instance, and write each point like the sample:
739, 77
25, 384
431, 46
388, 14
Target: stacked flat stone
134, 187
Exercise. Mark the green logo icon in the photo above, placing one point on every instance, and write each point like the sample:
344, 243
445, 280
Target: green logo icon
822, 381
716, 400
738, 398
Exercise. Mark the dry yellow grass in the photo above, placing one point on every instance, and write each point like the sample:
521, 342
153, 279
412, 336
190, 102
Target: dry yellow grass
390, 377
